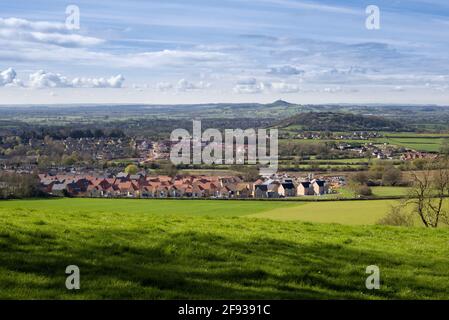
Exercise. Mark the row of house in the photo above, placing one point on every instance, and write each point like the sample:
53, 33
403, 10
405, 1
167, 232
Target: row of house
141, 186
290, 188
413, 155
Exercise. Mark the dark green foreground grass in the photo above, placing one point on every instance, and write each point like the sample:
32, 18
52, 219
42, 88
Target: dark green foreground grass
136, 255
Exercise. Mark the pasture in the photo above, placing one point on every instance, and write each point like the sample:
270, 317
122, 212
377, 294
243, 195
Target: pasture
360, 212
162, 249
428, 144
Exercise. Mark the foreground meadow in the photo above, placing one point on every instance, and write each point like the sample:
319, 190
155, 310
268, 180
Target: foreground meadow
160, 249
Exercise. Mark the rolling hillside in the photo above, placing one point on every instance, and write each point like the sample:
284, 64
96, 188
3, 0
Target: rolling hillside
331, 121
148, 250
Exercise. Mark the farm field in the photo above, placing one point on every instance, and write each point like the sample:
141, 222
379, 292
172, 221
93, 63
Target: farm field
346, 193
415, 135
390, 191
362, 212
147, 249
429, 144
420, 142
345, 212
136, 206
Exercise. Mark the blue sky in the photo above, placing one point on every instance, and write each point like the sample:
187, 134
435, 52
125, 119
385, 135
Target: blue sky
166, 51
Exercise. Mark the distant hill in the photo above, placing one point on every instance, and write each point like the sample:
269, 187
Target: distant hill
280, 103
331, 121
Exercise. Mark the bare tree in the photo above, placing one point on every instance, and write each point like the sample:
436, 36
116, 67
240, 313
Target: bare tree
430, 192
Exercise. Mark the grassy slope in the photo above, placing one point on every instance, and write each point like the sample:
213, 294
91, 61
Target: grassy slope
343, 212
178, 207
421, 144
390, 191
131, 252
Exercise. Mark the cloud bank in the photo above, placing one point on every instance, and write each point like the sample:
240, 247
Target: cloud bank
42, 79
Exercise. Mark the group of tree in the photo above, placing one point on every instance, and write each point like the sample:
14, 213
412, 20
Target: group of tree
97, 133
15, 185
380, 173
60, 133
297, 148
340, 121
168, 169
248, 173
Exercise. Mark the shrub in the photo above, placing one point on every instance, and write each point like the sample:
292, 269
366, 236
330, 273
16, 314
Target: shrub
397, 217
131, 169
359, 178
364, 190
391, 177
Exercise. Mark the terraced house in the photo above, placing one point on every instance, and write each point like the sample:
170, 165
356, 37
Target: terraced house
140, 185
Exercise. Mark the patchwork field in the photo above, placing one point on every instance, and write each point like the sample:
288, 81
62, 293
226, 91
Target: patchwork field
342, 212
415, 141
429, 144
390, 191
159, 249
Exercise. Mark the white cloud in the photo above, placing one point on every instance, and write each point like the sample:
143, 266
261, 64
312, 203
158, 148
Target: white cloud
184, 85
332, 89
286, 70
43, 79
16, 23
249, 86
64, 39
112, 82
164, 86
171, 58
8, 78
14, 30
283, 87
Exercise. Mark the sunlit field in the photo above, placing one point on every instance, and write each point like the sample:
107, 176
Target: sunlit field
161, 249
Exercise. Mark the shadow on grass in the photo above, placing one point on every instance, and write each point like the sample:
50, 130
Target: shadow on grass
202, 265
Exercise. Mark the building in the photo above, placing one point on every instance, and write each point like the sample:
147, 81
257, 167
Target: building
305, 189
320, 187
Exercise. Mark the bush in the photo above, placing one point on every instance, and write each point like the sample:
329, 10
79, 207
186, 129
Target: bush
391, 177
359, 178
364, 190
131, 169
396, 217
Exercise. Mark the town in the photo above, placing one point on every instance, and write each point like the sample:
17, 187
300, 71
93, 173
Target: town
141, 185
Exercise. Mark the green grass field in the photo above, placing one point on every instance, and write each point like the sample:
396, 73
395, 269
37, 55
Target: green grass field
342, 212
416, 141
160, 249
429, 144
390, 191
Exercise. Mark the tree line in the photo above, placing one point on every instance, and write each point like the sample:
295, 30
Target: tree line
17, 185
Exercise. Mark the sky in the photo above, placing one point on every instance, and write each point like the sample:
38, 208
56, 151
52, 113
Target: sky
202, 51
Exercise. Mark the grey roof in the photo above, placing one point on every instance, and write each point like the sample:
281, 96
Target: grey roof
268, 182
320, 182
288, 185
122, 175
59, 187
